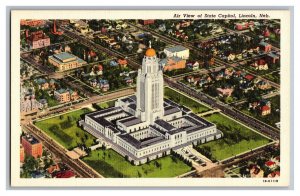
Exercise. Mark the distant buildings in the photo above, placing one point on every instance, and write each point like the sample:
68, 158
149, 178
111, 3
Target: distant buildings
65, 61
263, 85
22, 154
32, 23
193, 65
260, 64
172, 63
63, 174
42, 83
29, 105
32, 146
225, 92
81, 26
266, 47
104, 85
146, 22
54, 31
243, 25
256, 172
37, 39
122, 63
262, 106
177, 51
65, 95
265, 110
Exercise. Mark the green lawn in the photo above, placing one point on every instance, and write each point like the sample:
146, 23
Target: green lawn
65, 131
112, 165
181, 99
107, 104
237, 138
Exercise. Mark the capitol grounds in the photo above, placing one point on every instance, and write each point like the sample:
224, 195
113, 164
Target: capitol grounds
237, 139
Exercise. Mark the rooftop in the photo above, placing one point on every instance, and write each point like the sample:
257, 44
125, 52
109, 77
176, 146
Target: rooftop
32, 140
64, 56
164, 124
177, 48
130, 121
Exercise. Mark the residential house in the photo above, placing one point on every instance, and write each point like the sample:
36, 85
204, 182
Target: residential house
263, 85
122, 63
274, 174
225, 92
190, 79
266, 32
53, 168
185, 23
128, 80
93, 82
162, 27
146, 22
103, 85
44, 103
246, 86
231, 57
113, 63
272, 57
265, 47
256, 172
99, 70
265, 110
260, 64
220, 75
193, 65
196, 80
270, 164
42, 83
228, 72
241, 26
52, 84
249, 77
65, 95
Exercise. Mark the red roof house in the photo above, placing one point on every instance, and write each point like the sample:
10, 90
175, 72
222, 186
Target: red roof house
249, 77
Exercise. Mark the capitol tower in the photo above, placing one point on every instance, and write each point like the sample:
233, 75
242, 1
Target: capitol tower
150, 89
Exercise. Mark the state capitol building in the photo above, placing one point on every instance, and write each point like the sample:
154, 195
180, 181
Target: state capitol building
146, 126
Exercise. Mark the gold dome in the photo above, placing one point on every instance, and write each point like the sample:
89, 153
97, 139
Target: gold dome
150, 52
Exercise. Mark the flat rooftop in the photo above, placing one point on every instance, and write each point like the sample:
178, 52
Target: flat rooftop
130, 121
32, 140
164, 124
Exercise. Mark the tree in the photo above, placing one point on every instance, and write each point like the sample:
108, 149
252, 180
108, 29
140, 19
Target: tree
139, 174
70, 118
30, 164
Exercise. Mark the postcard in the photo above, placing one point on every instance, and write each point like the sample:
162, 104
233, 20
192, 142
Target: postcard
151, 98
